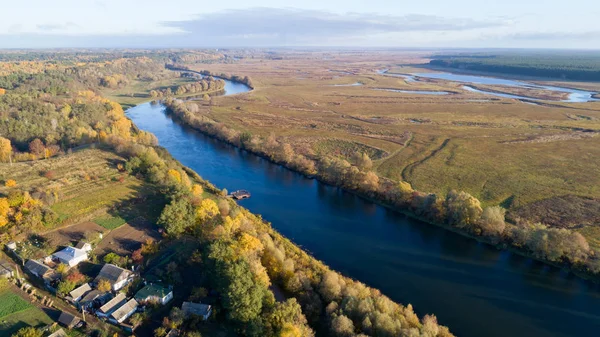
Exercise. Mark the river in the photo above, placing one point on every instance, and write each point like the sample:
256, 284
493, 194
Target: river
474, 289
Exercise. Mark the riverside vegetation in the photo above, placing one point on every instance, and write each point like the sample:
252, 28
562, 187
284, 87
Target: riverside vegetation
325, 137
243, 256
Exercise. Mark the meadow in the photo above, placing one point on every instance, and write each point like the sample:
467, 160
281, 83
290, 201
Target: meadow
16, 313
502, 151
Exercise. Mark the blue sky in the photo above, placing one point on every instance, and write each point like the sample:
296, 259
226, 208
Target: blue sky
370, 23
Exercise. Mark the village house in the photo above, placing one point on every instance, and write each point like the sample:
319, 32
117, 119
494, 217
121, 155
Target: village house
124, 312
116, 276
70, 256
38, 269
6, 270
77, 294
93, 299
112, 305
68, 320
86, 247
155, 294
199, 309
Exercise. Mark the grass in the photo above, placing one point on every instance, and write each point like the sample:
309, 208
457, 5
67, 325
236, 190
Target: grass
109, 222
16, 313
494, 148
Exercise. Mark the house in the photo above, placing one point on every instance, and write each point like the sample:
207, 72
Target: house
59, 333
77, 294
124, 311
111, 305
12, 246
68, 320
70, 256
154, 293
93, 299
118, 277
86, 247
199, 309
6, 270
40, 270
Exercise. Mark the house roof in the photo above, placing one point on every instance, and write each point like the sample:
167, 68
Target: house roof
80, 291
68, 320
82, 245
92, 295
113, 304
173, 333
199, 309
150, 291
58, 333
112, 273
125, 309
69, 253
37, 268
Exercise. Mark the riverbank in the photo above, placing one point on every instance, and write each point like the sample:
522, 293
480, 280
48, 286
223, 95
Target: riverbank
500, 241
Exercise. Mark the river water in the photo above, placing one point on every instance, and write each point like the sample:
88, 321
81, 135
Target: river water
474, 289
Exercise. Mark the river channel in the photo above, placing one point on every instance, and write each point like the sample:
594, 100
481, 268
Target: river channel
474, 289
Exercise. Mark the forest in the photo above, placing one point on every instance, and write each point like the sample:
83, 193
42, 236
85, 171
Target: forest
578, 67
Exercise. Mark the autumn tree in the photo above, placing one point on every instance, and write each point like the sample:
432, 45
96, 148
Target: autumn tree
5, 149
362, 161
28, 332
463, 209
104, 285
36, 147
492, 220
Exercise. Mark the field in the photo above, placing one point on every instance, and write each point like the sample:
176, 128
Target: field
93, 194
16, 313
503, 151
127, 238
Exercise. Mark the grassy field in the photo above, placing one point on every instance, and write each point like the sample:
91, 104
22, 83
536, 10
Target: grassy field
91, 191
16, 313
138, 91
500, 150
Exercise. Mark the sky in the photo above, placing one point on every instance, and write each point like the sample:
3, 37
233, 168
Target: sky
560, 24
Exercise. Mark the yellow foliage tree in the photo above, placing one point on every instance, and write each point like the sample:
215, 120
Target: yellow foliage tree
10, 183
249, 244
2, 91
174, 175
122, 127
5, 149
197, 190
104, 285
290, 330
3, 221
207, 211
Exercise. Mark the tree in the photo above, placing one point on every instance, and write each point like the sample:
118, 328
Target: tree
177, 216
104, 285
65, 287
62, 269
28, 332
5, 149
207, 211
10, 183
463, 209
342, 326
137, 256
223, 207
76, 277
36, 147
492, 220
363, 161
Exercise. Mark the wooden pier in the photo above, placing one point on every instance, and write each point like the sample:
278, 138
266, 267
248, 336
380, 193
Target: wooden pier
239, 195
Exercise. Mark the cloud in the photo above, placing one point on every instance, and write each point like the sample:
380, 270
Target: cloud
56, 28
277, 26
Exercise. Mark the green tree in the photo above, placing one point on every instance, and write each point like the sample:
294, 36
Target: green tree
177, 216
65, 287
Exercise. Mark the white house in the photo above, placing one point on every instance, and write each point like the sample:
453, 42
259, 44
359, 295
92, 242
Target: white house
124, 311
154, 293
70, 256
118, 277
